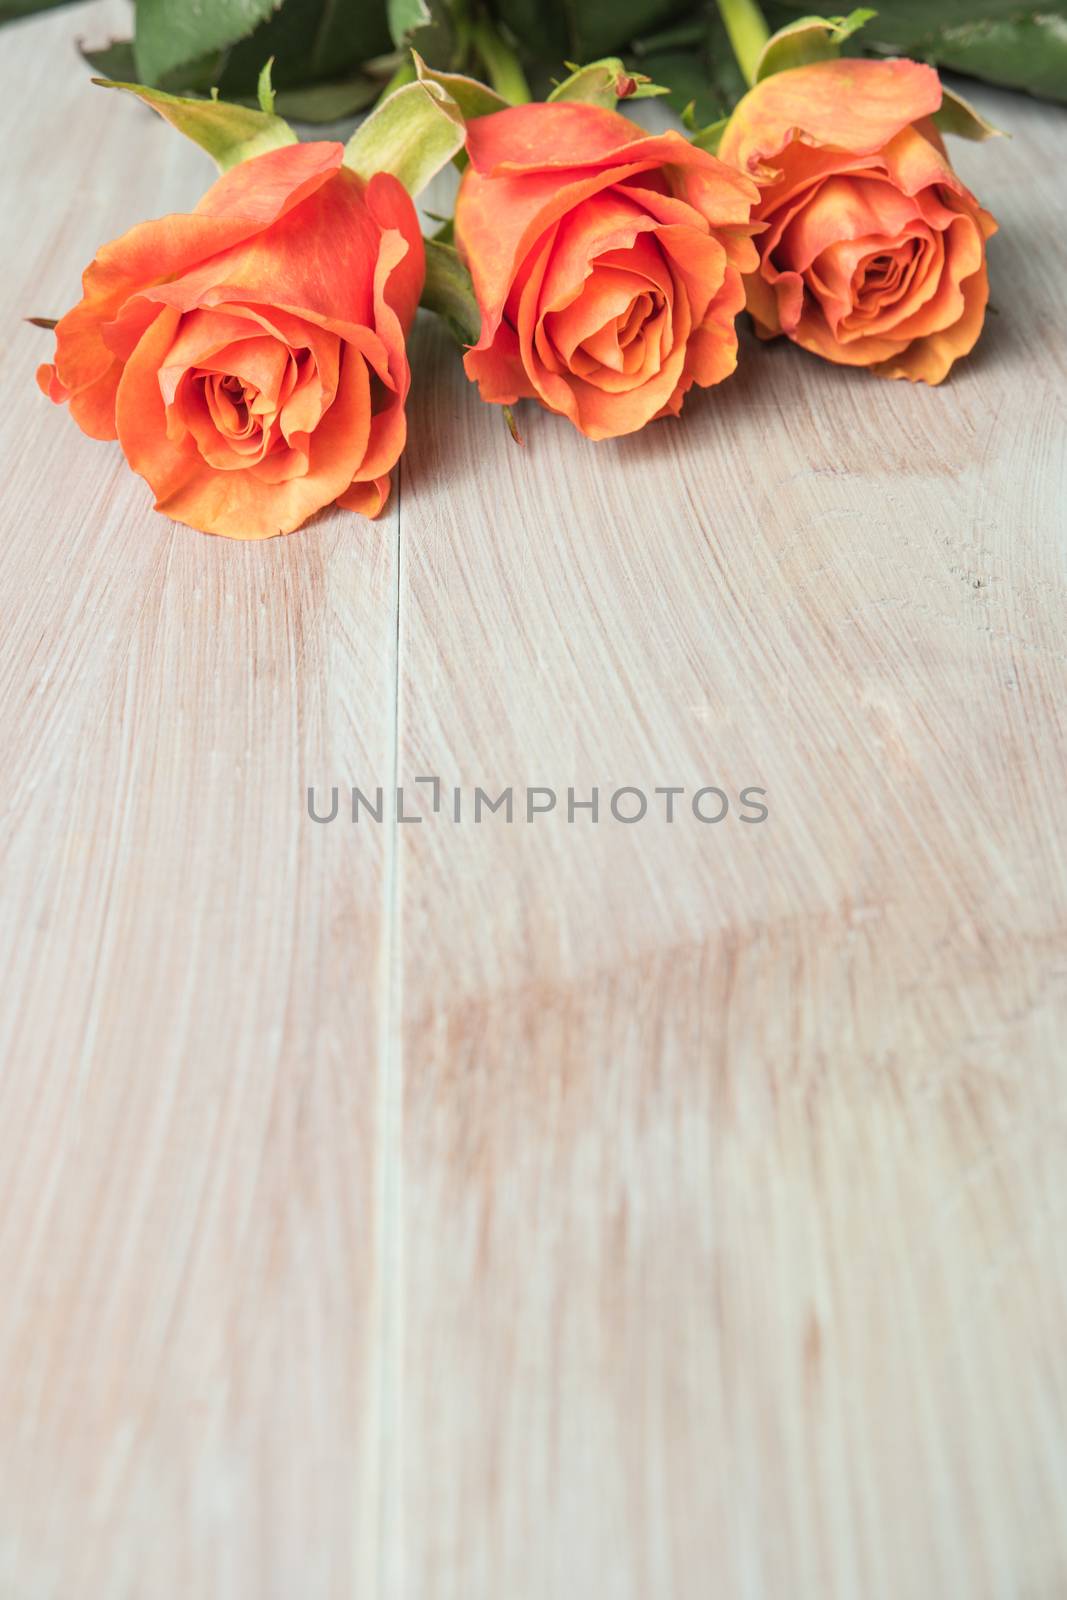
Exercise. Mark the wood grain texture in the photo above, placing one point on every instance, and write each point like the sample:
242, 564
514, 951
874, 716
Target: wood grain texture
732, 1199
190, 1098
459, 1211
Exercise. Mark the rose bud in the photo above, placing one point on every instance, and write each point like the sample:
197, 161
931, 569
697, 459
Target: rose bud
250, 357
606, 263
874, 251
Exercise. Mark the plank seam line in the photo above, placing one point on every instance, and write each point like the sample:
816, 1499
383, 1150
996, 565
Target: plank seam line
390, 1145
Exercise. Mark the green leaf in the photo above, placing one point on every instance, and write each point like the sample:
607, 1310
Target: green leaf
695, 61
328, 102
438, 29
113, 60
958, 116
449, 293
1009, 42
313, 42
808, 39
474, 99
1021, 52
412, 134
407, 17
605, 83
542, 28
10, 9
228, 133
171, 33
586, 30
701, 70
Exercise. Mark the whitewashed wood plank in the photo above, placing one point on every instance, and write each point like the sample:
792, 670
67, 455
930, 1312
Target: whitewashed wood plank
194, 972
732, 1209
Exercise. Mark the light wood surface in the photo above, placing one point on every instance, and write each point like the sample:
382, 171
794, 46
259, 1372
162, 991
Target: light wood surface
524, 1211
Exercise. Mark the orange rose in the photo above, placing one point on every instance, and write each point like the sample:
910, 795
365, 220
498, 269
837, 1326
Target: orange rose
250, 357
874, 254
606, 263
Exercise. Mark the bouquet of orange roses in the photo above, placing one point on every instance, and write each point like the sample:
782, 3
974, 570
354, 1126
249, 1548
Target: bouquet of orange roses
251, 357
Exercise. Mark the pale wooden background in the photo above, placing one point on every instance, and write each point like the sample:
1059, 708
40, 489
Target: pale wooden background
489, 1213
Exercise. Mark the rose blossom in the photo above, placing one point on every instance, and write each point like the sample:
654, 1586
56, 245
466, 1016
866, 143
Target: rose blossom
250, 357
874, 251
606, 262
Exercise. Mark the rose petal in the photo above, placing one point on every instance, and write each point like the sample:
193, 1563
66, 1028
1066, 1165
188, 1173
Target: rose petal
853, 105
86, 371
607, 292
369, 499
497, 369
843, 209
929, 360
500, 218
607, 221
313, 259
237, 503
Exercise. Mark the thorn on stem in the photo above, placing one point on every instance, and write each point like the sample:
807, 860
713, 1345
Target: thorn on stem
513, 427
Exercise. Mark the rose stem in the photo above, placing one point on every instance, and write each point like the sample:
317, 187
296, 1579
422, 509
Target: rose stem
748, 33
501, 63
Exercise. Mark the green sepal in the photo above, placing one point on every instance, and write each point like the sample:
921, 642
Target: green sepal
412, 134
808, 39
170, 35
473, 98
958, 116
264, 91
449, 293
605, 83
230, 134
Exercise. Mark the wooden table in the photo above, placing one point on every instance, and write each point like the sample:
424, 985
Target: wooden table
457, 1211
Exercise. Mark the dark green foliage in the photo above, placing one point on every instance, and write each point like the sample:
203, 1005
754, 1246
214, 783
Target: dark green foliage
332, 57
